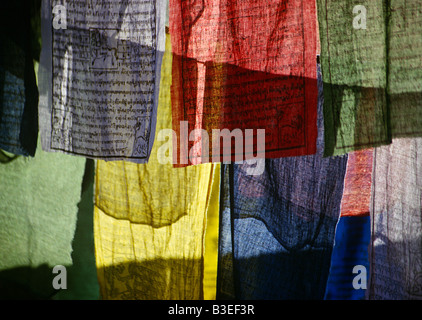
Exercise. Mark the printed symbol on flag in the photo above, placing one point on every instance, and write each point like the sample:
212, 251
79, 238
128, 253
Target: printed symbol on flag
104, 48
140, 145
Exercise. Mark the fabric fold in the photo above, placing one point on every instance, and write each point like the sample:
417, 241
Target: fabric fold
240, 68
156, 226
396, 222
277, 228
40, 200
349, 270
371, 61
99, 77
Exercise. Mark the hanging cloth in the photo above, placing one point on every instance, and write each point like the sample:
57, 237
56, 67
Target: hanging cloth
156, 227
243, 66
371, 58
277, 228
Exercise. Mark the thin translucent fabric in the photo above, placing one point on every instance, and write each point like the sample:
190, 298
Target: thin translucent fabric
40, 203
371, 58
242, 65
396, 222
18, 88
99, 77
277, 229
156, 227
353, 232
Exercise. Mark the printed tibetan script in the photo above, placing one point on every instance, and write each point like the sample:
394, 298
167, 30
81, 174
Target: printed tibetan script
242, 65
100, 77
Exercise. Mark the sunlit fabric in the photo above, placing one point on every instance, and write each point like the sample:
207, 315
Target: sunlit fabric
44, 222
357, 184
18, 88
156, 227
353, 231
277, 229
99, 77
371, 58
244, 65
350, 250
396, 227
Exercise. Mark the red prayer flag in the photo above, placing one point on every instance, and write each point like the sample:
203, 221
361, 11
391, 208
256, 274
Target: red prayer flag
239, 66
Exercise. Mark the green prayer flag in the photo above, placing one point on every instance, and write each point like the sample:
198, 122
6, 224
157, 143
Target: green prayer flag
371, 58
46, 220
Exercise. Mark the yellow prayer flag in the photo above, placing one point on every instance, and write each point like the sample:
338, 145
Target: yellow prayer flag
156, 227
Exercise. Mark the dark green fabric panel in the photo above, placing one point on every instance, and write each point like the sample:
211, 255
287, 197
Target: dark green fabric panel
372, 76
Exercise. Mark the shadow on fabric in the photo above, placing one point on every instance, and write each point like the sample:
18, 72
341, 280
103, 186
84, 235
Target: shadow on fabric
36, 283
